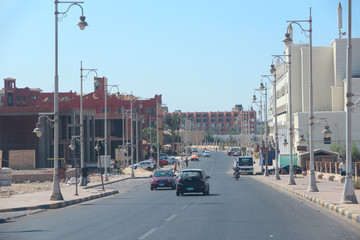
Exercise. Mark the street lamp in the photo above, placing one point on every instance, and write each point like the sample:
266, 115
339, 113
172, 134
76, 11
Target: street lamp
72, 148
273, 71
277, 176
81, 110
308, 33
97, 83
260, 111
56, 192
348, 195
97, 148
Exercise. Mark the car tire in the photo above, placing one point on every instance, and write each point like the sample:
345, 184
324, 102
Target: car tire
151, 188
177, 193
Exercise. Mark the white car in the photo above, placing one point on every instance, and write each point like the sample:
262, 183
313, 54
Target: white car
206, 154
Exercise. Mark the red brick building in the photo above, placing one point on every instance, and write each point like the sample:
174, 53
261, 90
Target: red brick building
20, 109
220, 122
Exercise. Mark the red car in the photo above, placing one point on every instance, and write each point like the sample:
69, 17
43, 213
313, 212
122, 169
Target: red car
163, 178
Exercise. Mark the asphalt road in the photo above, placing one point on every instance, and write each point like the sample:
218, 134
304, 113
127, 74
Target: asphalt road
244, 209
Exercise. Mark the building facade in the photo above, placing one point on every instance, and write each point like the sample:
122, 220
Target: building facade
20, 109
329, 98
240, 120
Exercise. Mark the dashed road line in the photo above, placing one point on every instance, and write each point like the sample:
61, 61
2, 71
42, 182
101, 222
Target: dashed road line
147, 233
185, 206
171, 217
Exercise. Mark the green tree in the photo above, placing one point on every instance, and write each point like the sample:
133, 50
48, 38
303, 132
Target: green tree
232, 131
172, 125
341, 149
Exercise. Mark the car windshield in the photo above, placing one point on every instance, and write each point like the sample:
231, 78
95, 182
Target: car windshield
245, 161
163, 174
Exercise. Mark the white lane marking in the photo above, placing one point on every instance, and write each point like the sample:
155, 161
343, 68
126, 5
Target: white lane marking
171, 217
148, 233
185, 206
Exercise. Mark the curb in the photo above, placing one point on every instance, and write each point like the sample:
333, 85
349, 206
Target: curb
332, 207
60, 204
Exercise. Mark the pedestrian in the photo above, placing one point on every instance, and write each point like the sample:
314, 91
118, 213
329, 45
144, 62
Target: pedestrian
175, 167
342, 168
187, 162
84, 171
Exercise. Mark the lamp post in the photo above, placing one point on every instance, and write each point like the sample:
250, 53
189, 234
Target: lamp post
273, 71
308, 33
262, 135
97, 148
82, 112
72, 148
157, 134
348, 195
56, 192
277, 176
97, 83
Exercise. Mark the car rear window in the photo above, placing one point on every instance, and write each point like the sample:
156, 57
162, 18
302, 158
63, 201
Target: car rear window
191, 175
163, 174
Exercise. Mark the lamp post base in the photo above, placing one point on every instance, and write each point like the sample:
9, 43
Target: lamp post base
291, 179
312, 184
56, 194
277, 175
348, 196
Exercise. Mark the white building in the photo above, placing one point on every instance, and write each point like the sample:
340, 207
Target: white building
329, 86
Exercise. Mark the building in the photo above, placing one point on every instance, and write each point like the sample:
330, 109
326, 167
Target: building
220, 122
329, 100
20, 109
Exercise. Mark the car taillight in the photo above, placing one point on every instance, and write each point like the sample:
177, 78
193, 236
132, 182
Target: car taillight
178, 180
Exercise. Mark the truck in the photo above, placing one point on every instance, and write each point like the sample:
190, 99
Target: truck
246, 164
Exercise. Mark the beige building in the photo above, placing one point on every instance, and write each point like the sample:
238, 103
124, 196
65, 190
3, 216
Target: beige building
329, 85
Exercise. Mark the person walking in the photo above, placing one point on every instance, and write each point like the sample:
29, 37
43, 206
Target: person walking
84, 172
175, 167
186, 162
342, 168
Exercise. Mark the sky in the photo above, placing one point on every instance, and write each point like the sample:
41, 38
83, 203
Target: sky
201, 55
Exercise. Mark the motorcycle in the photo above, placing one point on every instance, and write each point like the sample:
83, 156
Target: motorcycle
236, 175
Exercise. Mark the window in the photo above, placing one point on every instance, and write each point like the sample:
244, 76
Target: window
198, 120
24, 99
103, 110
221, 120
221, 115
34, 97
213, 120
119, 110
150, 111
228, 114
18, 99
213, 115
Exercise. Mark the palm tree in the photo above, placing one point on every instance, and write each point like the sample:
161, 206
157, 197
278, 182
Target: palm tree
173, 124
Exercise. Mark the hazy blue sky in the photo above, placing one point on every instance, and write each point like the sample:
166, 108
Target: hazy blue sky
201, 55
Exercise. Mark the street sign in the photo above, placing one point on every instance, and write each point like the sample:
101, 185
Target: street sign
302, 148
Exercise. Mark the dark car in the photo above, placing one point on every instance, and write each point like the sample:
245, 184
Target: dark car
285, 169
192, 181
162, 179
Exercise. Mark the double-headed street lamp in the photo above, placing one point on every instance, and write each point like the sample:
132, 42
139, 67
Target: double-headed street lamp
56, 192
97, 83
81, 110
261, 120
308, 33
273, 71
277, 176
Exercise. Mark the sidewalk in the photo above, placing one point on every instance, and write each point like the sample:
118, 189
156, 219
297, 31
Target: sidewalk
329, 194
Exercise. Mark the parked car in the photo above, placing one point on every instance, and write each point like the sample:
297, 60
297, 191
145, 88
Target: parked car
285, 169
193, 150
192, 181
146, 164
194, 157
163, 179
206, 154
163, 161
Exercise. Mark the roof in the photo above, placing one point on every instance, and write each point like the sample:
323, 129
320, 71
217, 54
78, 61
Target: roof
322, 152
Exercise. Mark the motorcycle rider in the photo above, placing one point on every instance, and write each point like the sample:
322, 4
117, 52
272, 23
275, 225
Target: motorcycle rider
236, 171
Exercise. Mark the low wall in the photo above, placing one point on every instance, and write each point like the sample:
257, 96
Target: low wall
21, 176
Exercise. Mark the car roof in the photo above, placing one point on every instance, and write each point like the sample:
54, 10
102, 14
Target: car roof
164, 170
192, 170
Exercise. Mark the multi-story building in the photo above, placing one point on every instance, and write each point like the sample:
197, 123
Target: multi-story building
329, 95
220, 122
20, 109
